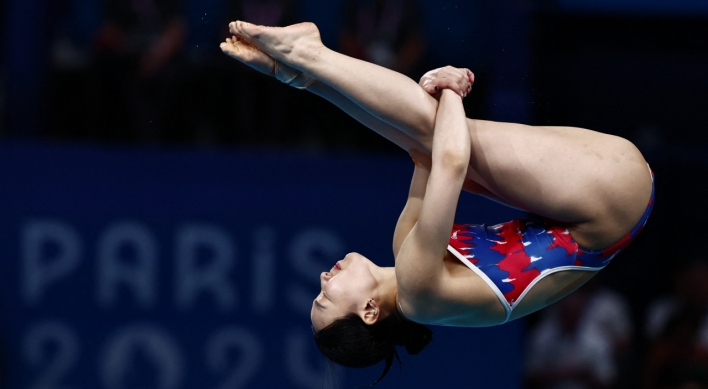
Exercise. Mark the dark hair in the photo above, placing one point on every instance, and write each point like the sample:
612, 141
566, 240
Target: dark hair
350, 342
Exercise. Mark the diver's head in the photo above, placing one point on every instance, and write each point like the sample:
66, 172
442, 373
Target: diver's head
355, 319
353, 285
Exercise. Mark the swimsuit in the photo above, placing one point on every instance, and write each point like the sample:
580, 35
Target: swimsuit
512, 257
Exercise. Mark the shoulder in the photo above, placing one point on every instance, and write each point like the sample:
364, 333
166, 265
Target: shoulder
460, 298
419, 270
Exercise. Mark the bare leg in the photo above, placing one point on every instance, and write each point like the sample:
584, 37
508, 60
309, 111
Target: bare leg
598, 184
401, 114
387, 95
249, 55
258, 60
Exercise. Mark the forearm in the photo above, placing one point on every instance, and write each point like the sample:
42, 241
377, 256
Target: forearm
451, 144
428, 240
410, 213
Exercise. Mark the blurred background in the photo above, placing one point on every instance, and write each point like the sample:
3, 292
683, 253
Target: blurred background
165, 211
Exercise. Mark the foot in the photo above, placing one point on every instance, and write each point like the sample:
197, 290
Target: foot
243, 51
240, 50
292, 45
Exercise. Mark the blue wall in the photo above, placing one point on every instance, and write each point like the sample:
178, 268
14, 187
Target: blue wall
127, 268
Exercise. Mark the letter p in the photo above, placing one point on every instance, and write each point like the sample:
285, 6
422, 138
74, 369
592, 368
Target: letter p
40, 267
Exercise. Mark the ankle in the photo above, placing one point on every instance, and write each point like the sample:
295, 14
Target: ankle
302, 81
291, 76
307, 56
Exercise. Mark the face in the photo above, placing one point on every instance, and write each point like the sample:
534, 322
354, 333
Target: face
346, 288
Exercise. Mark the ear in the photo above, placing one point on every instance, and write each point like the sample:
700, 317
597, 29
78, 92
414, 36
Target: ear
370, 312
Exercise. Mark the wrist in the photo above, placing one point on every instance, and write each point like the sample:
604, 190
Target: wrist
449, 93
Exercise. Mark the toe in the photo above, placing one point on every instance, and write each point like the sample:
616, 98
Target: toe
252, 31
241, 28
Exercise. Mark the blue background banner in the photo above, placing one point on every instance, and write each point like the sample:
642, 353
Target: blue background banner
137, 268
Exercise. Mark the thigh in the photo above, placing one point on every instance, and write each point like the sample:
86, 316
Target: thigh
550, 289
597, 184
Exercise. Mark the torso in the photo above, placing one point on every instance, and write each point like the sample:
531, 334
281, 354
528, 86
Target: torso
468, 301
464, 298
500, 273
478, 306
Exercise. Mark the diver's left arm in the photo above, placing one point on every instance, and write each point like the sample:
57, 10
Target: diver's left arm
419, 266
410, 213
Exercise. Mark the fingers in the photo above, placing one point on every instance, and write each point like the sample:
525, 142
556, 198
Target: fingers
427, 77
454, 85
469, 79
431, 89
435, 87
429, 84
470, 76
458, 80
464, 79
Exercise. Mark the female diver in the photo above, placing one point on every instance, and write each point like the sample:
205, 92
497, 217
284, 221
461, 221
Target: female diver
589, 194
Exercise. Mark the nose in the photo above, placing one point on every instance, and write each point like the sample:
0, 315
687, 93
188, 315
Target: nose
324, 277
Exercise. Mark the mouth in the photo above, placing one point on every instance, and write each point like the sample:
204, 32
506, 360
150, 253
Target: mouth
336, 266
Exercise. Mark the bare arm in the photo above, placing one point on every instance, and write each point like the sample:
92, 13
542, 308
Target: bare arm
410, 213
419, 265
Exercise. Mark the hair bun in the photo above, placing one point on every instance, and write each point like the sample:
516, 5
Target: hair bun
350, 342
413, 336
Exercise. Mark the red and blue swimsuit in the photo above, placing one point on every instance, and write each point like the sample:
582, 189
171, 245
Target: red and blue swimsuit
512, 257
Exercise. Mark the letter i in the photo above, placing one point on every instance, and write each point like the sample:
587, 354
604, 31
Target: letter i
263, 269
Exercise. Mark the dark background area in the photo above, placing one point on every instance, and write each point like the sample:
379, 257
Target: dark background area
635, 70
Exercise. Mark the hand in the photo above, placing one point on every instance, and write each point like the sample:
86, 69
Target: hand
458, 80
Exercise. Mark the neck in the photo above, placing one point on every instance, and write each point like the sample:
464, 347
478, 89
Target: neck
387, 289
